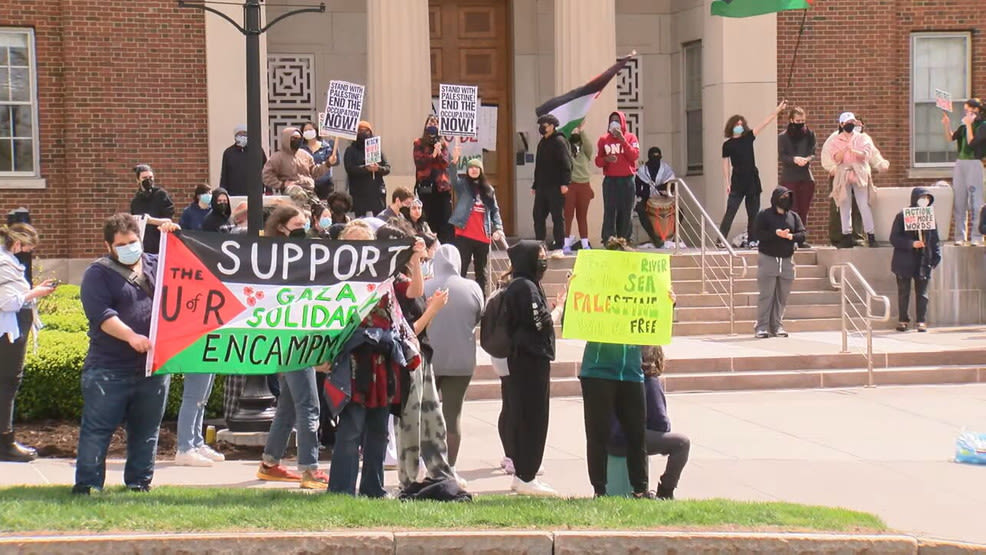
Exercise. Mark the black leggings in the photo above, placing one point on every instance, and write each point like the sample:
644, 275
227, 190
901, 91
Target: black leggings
503, 424
752, 201
437, 209
12, 369
476, 251
530, 380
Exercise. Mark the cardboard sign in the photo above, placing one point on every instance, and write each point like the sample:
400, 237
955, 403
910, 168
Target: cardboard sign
471, 148
620, 297
343, 106
372, 151
943, 100
458, 107
919, 218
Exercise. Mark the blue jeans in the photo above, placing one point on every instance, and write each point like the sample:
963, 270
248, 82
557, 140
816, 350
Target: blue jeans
297, 407
359, 425
111, 398
194, 397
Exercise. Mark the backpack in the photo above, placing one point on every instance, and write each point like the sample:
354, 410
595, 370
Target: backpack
494, 330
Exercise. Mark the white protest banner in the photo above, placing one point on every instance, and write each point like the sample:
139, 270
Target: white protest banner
943, 100
920, 218
457, 110
372, 151
343, 105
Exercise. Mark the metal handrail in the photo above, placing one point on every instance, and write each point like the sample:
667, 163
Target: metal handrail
680, 187
843, 286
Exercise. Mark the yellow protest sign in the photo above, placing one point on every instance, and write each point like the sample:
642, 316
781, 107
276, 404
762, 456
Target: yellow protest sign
620, 297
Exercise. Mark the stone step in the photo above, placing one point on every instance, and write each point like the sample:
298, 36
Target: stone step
749, 285
746, 326
793, 312
485, 389
690, 300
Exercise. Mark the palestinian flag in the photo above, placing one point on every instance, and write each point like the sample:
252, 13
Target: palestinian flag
749, 8
572, 107
232, 304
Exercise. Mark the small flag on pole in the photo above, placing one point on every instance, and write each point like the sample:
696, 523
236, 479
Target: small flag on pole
749, 8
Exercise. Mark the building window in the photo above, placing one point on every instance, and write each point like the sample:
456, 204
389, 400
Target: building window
692, 55
18, 104
938, 61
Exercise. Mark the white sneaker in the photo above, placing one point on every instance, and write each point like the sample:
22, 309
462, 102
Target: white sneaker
211, 454
463, 483
191, 458
556, 254
534, 488
541, 471
507, 465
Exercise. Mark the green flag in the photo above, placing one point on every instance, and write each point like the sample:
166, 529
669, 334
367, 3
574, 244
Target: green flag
749, 8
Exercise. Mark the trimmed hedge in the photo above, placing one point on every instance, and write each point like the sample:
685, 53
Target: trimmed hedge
52, 376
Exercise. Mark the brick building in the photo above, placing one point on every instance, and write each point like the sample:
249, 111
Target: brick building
104, 85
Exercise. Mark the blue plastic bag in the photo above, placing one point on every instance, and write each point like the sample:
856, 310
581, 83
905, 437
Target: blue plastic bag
970, 448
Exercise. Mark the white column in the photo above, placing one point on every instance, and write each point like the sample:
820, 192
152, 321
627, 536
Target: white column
585, 46
398, 79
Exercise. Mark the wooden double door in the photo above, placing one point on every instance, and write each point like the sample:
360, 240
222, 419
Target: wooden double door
471, 45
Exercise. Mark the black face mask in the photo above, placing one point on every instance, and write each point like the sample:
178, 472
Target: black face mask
223, 209
363, 135
795, 128
295, 143
542, 267
543, 129
297, 233
147, 183
849, 127
784, 203
576, 140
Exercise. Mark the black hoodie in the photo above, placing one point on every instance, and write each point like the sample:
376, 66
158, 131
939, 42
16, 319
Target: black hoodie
769, 220
909, 261
156, 203
218, 219
527, 308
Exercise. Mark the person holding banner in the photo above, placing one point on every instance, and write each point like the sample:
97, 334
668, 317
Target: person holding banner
290, 165
432, 185
324, 154
153, 203
916, 253
117, 294
967, 174
366, 184
298, 403
476, 220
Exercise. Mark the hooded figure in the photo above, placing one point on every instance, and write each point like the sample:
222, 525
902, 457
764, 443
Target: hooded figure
915, 255
529, 363
235, 167
218, 217
653, 175
365, 186
777, 229
289, 164
617, 152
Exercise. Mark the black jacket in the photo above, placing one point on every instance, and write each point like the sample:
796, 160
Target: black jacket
216, 219
155, 203
365, 187
769, 220
234, 173
528, 314
909, 261
553, 164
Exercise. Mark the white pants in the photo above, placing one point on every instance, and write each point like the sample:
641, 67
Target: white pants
863, 202
967, 185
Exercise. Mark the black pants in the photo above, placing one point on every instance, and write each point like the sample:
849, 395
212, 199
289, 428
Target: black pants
645, 223
12, 369
675, 447
549, 202
530, 378
326, 424
732, 206
904, 298
618, 197
437, 209
476, 251
503, 424
601, 399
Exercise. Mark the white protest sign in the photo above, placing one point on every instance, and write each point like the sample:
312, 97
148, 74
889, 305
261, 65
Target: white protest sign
457, 110
920, 218
943, 100
372, 152
471, 148
343, 105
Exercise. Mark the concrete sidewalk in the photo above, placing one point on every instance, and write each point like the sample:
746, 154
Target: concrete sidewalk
884, 450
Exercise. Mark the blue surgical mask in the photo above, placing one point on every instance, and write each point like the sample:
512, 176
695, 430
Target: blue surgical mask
129, 254
308, 226
738, 130
325, 222
206, 199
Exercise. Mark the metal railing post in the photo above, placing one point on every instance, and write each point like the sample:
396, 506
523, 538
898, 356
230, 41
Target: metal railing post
869, 345
702, 258
845, 313
732, 302
677, 219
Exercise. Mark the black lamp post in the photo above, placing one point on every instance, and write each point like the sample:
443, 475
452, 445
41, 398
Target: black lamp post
255, 408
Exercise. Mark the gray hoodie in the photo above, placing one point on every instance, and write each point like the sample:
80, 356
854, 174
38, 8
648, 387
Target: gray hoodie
453, 330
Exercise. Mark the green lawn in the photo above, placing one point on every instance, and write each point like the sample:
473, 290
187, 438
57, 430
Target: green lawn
53, 508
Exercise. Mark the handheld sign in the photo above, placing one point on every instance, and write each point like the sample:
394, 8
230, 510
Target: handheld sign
458, 106
620, 297
343, 105
920, 218
372, 152
943, 100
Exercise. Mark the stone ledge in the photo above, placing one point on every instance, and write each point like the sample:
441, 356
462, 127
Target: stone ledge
488, 542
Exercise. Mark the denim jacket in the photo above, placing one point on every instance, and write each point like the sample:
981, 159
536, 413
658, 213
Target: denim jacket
464, 199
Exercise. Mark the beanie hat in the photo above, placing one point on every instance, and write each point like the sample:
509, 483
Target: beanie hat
476, 163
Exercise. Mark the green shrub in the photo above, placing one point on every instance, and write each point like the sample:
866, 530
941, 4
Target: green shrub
52, 376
